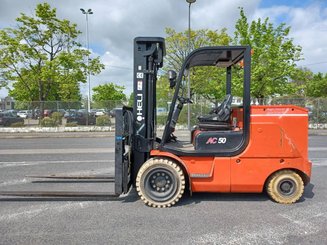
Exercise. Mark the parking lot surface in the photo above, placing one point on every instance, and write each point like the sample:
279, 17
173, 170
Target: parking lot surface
201, 219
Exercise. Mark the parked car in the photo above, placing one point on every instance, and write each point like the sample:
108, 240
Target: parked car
100, 112
47, 112
25, 114
8, 117
69, 113
80, 118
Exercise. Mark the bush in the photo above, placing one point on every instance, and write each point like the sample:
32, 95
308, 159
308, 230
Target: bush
71, 124
57, 117
103, 121
17, 125
161, 119
48, 122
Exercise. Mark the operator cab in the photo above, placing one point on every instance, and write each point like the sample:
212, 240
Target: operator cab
225, 130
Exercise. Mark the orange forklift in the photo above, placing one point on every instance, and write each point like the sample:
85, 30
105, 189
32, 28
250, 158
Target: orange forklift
244, 148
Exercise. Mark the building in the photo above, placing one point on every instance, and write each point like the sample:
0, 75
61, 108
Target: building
7, 103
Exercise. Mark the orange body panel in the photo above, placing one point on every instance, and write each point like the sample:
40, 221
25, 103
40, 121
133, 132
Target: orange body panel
278, 140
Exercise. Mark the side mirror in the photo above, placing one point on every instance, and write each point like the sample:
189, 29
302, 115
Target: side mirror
172, 78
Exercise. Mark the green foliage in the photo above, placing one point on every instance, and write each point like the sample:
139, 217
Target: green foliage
164, 93
57, 117
177, 47
17, 125
301, 79
48, 122
161, 119
20, 105
208, 82
317, 86
103, 121
131, 99
42, 59
274, 55
71, 124
108, 95
306, 83
108, 91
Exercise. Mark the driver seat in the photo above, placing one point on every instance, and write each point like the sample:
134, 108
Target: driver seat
219, 117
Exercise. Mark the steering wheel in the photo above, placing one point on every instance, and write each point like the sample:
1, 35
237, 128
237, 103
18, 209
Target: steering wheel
183, 100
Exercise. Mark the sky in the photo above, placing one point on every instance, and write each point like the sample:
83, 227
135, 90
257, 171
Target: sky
115, 24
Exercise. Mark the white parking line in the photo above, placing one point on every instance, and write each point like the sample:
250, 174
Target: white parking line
317, 148
319, 162
55, 151
33, 163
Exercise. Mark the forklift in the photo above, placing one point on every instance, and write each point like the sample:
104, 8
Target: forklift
234, 149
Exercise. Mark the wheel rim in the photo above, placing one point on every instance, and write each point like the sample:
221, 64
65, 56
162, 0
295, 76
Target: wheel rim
160, 184
287, 187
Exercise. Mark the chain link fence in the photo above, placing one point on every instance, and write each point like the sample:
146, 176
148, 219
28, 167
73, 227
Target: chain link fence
62, 113
317, 108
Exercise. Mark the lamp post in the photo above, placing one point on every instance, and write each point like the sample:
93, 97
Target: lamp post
188, 76
89, 11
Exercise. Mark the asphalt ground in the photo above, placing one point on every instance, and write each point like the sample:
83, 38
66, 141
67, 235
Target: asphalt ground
201, 219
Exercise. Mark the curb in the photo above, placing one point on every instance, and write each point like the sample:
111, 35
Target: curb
57, 129
91, 133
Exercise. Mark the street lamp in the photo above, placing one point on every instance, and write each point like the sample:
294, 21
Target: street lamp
188, 76
89, 11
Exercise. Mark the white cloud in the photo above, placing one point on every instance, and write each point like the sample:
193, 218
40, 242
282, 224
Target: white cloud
308, 29
115, 24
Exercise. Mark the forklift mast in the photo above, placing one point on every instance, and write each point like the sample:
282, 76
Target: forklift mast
148, 58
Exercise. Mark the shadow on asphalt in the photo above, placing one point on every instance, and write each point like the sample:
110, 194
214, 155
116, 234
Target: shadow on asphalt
308, 191
58, 199
186, 200
222, 197
237, 197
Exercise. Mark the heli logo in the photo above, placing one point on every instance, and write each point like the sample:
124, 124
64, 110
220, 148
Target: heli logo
215, 140
139, 105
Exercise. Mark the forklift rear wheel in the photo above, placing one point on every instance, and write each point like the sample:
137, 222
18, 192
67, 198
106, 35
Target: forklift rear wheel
285, 187
160, 182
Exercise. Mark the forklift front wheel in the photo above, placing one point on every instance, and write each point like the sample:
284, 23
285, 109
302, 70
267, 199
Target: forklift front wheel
285, 187
160, 182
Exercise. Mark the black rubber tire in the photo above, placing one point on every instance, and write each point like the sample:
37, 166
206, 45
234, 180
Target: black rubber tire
160, 183
285, 187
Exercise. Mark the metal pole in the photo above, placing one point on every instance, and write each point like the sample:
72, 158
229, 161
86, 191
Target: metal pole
89, 11
88, 62
188, 76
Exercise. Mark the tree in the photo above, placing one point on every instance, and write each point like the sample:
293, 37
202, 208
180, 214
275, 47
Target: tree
274, 55
131, 99
177, 44
109, 95
300, 80
42, 59
317, 86
209, 82
164, 92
